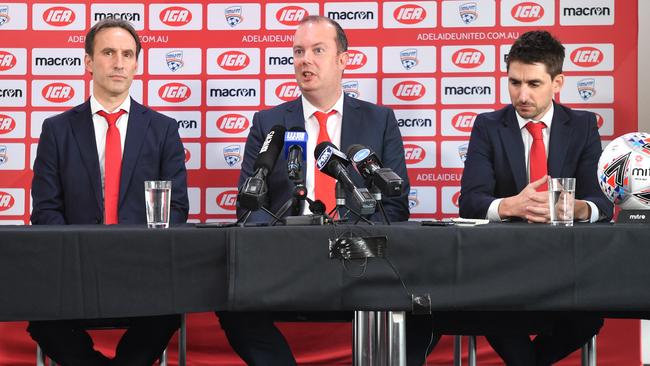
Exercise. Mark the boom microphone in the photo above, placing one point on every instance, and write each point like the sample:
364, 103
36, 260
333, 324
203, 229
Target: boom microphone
367, 163
333, 162
252, 193
295, 151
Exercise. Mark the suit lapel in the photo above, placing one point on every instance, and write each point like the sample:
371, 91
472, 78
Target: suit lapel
294, 116
351, 124
84, 135
559, 141
514, 147
139, 122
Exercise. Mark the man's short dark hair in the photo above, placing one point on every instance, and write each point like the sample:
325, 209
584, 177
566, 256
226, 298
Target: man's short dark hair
341, 38
89, 44
538, 47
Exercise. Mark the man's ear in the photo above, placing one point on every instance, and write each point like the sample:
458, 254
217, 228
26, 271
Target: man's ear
88, 62
558, 83
343, 60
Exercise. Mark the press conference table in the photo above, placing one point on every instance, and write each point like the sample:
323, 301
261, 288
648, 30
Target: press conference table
62, 272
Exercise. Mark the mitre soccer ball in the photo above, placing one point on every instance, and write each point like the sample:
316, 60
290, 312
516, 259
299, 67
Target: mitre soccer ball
624, 171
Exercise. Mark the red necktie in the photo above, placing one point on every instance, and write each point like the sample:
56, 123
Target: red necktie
323, 183
537, 155
112, 166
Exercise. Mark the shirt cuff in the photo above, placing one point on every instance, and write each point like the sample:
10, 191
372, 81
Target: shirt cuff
493, 211
595, 215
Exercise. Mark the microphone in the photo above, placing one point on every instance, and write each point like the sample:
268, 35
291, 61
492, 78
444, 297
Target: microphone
333, 162
367, 163
252, 193
295, 151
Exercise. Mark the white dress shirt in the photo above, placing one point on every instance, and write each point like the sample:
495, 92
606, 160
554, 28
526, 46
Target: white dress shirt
101, 127
334, 123
493, 210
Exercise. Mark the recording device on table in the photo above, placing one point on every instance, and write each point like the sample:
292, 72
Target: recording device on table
252, 194
379, 180
333, 162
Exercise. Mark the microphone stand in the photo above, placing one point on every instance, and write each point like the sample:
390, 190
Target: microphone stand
341, 203
299, 194
376, 193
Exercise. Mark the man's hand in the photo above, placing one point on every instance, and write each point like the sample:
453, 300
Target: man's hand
529, 204
581, 211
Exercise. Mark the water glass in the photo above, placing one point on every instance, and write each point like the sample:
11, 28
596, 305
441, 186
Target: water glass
561, 199
157, 194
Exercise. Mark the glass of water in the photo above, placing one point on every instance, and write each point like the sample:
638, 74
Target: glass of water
561, 199
157, 194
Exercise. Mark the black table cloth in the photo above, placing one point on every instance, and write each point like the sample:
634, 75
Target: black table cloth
63, 272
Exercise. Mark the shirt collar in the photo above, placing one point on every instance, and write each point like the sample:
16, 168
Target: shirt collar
547, 118
309, 108
95, 106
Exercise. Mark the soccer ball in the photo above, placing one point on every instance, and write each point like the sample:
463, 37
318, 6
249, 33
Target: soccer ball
624, 171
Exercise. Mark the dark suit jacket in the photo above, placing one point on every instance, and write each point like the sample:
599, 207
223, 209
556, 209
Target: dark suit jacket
66, 188
363, 123
496, 167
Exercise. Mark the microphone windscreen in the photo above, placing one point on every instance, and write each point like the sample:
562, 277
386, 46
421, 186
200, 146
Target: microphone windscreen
271, 148
321, 147
358, 153
296, 136
327, 152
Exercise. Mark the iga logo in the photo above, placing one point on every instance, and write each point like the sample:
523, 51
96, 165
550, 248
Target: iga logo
409, 14
413, 154
599, 121
287, 91
232, 123
7, 124
227, 200
7, 201
57, 92
527, 12
188, 154
291, 15
7, 60
357, 60
59, 16
464, 121
409, 90
233, 60
468, 58
175, 16
174, 92
587, 56
455, 198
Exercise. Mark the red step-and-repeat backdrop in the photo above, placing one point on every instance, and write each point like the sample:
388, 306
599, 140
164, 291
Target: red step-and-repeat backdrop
211, 65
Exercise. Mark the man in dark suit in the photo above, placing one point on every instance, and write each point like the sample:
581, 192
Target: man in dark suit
505, 179
90, 168
320, 57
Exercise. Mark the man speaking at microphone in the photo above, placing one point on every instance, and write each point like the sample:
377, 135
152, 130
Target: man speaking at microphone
327, 114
